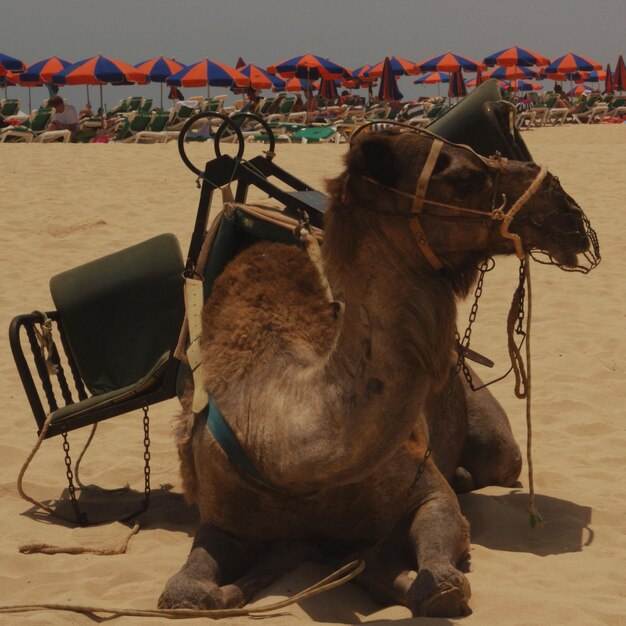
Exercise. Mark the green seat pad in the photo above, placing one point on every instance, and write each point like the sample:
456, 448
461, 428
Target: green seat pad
149, 382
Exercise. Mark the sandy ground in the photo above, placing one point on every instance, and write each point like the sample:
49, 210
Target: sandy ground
63, 205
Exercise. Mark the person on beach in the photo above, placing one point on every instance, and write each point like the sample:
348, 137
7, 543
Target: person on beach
562, 101
65, 116
86, 111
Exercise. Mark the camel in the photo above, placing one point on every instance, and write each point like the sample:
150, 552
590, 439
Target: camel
352, 418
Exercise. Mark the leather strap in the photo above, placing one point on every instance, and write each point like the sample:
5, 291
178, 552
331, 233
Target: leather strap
194, 300
419, 198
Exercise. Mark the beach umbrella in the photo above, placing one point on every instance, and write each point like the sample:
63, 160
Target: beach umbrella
10, 64
260, 78
619, 76
432, 78
208, 73
579, 89
571, 62
399, 67
510, 73
524, 85
450, 62
516, 57
328, 89
473, 83
20, 79
362, 74
308, 66
608, 81
44, 69
456, 86
388, 89
159, 69
590, 77
100, 70
41, 72
299, 84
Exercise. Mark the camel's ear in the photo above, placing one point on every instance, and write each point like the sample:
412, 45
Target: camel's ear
374, 156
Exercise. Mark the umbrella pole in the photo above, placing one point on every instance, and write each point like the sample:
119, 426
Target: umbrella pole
161, 96
30, 106
101, 100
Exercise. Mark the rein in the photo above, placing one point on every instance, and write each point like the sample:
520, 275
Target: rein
496, 214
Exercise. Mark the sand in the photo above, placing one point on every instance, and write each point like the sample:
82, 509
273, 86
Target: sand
63, 205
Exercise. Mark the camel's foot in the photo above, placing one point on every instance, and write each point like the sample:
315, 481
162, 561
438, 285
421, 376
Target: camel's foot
440, 591
185, 592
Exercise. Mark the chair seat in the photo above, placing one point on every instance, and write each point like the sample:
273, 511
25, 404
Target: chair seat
150, 381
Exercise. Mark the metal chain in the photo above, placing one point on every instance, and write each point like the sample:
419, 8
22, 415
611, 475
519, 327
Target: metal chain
81, 518
486, 266
519, 329
146, 454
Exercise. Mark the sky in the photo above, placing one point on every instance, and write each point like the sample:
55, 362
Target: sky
349, 32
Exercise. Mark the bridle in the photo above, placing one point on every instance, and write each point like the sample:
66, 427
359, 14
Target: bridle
420, 199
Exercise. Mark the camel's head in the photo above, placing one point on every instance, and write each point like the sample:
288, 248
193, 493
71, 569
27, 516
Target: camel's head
467, 206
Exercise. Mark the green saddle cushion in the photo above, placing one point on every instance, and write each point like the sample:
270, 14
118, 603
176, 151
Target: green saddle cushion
122, 312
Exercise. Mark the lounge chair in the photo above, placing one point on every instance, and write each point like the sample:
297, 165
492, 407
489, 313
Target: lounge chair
135, 123
315, 134
181, 112
591, 115
9, 107
35, 129
156, 130
108, 347
285, 109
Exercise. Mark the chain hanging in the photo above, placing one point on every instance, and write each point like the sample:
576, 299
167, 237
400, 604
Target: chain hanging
146, 455
462, 345
81, 518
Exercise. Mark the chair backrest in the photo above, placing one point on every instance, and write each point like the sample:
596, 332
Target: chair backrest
265, 106
550, 101
159, 121
10, 107
146, 105
41, 119
121, 313
286, 106
139, 121
134, 102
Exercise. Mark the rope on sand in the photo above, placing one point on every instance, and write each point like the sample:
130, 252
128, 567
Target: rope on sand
337, 578
44, 548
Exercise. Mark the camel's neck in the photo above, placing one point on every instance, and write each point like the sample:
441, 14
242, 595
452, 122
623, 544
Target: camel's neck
394, 344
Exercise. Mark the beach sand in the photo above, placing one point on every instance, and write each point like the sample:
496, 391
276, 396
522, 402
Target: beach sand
63, 205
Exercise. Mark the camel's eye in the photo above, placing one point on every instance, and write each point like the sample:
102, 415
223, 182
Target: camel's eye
468, 180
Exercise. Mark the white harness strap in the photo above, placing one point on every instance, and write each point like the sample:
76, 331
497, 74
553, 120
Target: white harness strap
194, 300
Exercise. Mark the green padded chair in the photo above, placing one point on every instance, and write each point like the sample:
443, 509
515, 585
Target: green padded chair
117, 321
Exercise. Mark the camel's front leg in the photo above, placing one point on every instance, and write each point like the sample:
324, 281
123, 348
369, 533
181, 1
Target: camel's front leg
439, 535
216, 558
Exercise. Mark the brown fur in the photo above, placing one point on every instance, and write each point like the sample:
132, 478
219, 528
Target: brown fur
338, 415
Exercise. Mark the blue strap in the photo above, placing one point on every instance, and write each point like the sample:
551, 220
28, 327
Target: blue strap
227, 440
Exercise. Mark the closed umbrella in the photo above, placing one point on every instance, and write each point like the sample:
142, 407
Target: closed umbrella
619, 76
388, 89
608, 81
207, 73
160, 69
456, 86
328, 89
